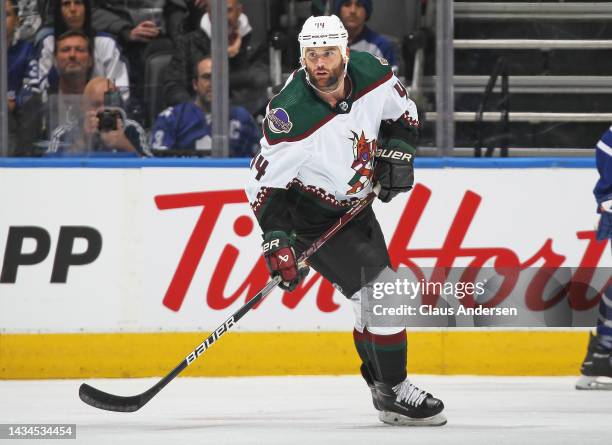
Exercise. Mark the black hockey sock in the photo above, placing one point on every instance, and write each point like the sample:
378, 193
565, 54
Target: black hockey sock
383, 355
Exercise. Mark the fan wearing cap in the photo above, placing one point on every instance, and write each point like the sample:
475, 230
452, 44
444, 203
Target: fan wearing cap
354, 15
342, 123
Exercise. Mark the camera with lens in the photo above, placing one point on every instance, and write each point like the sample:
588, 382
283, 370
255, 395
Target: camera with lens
107, 118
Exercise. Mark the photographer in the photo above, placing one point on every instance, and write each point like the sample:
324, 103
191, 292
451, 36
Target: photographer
103, 127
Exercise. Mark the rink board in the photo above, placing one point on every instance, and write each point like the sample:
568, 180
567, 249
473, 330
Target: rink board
172, 251
528, 353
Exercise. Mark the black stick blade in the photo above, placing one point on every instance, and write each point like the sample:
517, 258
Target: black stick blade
110, 402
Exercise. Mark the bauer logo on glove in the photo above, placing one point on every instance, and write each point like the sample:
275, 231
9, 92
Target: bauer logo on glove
393, 169
394, 157
393, 154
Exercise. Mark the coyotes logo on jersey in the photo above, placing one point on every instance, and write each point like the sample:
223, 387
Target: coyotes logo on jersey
363, 151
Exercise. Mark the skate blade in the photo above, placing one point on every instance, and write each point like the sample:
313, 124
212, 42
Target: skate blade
594, 383
392, 418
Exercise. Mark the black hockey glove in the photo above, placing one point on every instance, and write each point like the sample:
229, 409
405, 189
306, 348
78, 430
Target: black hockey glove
280, 258
393, 171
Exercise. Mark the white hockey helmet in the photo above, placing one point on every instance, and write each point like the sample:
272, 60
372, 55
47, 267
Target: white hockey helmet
324, 30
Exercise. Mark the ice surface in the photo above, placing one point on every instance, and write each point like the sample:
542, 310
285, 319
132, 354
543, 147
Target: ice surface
316, 410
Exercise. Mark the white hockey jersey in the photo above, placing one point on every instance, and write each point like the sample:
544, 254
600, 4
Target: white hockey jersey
322, 153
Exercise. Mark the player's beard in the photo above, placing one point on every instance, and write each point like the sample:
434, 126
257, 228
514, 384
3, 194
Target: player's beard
331, 82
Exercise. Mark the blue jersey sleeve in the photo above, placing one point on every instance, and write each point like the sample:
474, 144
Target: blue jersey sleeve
603, 188
603, 157
137, 136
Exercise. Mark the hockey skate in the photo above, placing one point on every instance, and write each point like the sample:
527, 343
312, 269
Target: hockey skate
597, 368
405, 404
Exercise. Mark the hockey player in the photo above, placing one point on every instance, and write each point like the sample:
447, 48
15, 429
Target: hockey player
187, 126
598, 361
318, 156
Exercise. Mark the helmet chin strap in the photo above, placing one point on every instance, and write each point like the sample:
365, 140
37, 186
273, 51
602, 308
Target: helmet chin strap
326, 92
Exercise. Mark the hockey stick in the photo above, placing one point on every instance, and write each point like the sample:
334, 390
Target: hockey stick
111, 402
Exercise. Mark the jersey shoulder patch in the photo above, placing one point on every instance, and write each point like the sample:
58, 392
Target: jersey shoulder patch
294, 113
368, 72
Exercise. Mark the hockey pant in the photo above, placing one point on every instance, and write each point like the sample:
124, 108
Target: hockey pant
360, 248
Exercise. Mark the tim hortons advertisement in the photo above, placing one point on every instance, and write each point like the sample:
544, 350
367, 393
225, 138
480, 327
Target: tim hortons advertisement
178, 249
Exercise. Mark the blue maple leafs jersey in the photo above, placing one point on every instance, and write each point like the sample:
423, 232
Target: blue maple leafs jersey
603, 157
603, 188
187, 127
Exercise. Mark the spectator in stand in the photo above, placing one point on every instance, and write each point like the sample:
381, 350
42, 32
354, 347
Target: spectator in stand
74, 61
19, 59
354, 14
75, 15
187, 126
140, 21
248, 75
101, 127
143, 27
60, 103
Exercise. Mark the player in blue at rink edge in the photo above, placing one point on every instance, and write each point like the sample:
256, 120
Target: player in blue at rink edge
318, 157
187, 126
598, 361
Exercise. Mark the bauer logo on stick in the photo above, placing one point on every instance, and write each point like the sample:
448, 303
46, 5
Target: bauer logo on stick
278, 121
